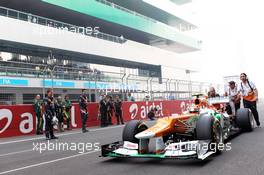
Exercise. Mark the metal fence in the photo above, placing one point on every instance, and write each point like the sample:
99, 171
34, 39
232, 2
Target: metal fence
121, 84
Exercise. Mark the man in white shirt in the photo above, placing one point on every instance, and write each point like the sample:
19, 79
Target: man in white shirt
234, 96
249, 93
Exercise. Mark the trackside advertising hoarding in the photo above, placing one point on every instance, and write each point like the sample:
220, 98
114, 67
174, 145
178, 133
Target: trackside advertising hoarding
18, 120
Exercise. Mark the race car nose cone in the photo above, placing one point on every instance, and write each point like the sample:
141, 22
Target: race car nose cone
145, 135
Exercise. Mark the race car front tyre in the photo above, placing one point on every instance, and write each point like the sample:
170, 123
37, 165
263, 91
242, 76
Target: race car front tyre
244, 119
132, 128
209, 128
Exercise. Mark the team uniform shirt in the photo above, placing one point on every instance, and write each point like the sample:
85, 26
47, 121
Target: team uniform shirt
232, 92
244, 89
83, 99
49, 106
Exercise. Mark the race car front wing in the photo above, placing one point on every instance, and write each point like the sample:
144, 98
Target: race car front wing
180, 150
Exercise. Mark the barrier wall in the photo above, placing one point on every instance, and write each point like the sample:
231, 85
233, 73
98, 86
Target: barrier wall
20, 120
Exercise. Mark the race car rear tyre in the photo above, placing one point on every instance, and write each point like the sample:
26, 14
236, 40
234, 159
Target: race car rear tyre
209, 128
244, 119
132, 128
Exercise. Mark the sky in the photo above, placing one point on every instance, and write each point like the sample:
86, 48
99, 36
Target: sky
232, 32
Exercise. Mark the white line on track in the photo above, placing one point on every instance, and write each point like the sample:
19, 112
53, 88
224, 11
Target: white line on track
48, 162
17, 152
71, 133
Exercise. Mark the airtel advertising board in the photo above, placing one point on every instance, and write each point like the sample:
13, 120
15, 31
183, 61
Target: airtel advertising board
20, 120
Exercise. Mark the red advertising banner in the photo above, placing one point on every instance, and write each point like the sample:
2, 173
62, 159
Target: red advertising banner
20, 120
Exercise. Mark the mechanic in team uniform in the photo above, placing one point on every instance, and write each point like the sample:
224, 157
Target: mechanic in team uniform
49, 114
110, 110
118, 110
38, 108
67, 110
249, 94
59, 113
83, 102
212, 94
233, 94
103, 111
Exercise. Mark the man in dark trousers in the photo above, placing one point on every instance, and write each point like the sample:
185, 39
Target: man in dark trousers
59, 113
83, 102
49, 114
67, 110
118, 110
249, 93
103, 111
110, 110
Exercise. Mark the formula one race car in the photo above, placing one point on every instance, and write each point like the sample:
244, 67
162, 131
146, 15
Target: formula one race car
197, 133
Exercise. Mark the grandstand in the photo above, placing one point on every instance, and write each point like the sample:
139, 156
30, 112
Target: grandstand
75, 44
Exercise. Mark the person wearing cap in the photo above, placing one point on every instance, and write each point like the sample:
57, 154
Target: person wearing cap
249, 93
233, 94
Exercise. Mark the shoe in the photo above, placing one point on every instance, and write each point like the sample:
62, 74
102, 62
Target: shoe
84, 131
48, 138
54, 137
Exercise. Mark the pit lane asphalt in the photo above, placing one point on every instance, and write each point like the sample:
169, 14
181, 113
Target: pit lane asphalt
17, 157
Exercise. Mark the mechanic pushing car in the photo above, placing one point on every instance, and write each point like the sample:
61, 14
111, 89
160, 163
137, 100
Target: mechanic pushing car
212, 93
249, 93
233, 94
49, 114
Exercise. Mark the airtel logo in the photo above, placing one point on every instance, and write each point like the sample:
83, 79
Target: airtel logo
144, 109
26, 124
5, 113
133, 110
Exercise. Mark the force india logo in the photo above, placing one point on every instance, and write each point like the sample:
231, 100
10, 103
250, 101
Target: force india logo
143, 110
